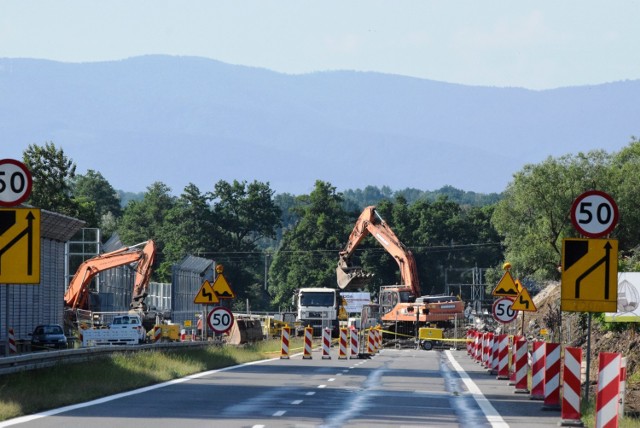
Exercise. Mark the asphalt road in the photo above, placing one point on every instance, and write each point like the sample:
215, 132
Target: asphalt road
395, 388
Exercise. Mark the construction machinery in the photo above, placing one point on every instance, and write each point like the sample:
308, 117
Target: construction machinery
401, 306
317, 308
142, 255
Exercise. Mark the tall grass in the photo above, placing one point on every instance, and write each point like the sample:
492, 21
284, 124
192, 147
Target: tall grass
37, 390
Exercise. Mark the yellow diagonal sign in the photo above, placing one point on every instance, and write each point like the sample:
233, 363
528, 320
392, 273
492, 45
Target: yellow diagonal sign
206, 295
506, 286
20, 246
222, 289
524, 302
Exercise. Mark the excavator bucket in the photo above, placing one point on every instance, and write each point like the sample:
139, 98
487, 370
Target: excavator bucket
245, 329
352, 277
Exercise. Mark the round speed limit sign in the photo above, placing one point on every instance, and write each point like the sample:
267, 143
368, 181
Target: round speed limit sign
220, 319
502, 311
594, 214
15, 182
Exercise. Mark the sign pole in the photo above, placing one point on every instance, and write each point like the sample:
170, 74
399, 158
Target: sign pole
586, 384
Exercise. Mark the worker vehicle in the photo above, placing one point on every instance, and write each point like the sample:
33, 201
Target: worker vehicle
401, 306
129, 322
141, 255
317, 308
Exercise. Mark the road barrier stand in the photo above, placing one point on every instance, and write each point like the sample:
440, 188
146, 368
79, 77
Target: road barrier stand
608, 389
521, 366
623, 386
308, 343
157, 333
487, 350
503, 356
371, 342
537, 371
571, 414
183, 335
378, 339
478, 347
551, 376
284, 348
355, 344
512, 359
326, 344
470, 336
493, 369
13, 349
342, 349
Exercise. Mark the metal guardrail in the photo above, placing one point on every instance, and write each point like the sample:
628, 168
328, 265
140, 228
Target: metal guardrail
42, 359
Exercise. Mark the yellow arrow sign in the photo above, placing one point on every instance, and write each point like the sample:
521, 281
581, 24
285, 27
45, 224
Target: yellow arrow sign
506, 286
222, 289
20, 246
589, 275
206, 295
524, 302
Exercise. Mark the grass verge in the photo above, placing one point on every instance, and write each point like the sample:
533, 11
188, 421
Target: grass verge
33, 391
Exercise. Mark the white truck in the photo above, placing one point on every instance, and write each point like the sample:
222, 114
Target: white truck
317, 308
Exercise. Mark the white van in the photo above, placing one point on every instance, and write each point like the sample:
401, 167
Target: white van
131, 322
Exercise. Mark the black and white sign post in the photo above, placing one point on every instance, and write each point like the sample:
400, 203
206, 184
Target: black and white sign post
594, 214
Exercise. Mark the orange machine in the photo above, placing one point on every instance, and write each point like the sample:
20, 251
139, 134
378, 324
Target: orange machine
398, 303
143, 254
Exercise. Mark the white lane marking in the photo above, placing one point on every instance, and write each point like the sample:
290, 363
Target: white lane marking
492, 415
322, 386
296, 402
331, 379
311, 393
28, 418
279, 413
258, 426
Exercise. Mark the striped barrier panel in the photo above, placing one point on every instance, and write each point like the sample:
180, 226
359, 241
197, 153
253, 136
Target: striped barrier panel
512, 363
623, 386
157, 333
478, 346
570, 412
308, 343
355, 344
537, 371
284, 348
326, 344
379, 339
487, 350
551, 376
608, 389
342, 349
371, 342
13, 348
521, 366
493, 368
503, 357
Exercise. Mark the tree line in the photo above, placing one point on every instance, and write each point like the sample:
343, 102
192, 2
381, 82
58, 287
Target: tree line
272, 243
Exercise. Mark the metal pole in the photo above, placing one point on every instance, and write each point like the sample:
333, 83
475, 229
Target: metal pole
586, 384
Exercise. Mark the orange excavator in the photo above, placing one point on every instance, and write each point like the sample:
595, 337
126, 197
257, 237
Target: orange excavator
143, 255
400, 305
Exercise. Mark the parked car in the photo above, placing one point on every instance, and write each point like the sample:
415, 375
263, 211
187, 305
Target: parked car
130, 321
48, 336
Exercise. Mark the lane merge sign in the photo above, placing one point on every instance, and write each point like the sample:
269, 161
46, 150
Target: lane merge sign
20, 246
594, 214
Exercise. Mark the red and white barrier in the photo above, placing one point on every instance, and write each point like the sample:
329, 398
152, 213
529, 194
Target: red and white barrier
284, 348
537, 371
493, 368
308, 343
157, 333
355, 344
552, 376
342, 349
487, 350
608, 390
371, 342
503, 356
13, 349
521, 369
623, 386
326, 344
570, 412
512, 366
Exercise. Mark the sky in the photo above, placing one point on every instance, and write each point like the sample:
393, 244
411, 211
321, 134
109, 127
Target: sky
538, 45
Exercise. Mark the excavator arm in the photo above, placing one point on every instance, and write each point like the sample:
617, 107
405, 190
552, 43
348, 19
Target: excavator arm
77, 295
370, 223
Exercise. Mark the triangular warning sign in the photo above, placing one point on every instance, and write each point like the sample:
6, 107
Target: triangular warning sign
524, 302
206, 295
506, 286
222, 289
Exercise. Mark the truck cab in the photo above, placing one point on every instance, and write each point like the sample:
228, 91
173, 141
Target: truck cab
317, 308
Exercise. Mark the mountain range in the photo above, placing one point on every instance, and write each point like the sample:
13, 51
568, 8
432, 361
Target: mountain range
182, 120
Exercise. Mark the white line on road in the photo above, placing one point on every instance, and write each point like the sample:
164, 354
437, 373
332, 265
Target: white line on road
280, 413
296, 402
492, 415
311, 393
322, 386
331, 379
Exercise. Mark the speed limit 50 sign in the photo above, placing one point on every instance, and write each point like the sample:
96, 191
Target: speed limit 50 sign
15, 183
220, 319
502, 310
594, 214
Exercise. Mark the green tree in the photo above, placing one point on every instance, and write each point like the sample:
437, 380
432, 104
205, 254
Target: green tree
534, 215
308, 253
53, 173
93, 187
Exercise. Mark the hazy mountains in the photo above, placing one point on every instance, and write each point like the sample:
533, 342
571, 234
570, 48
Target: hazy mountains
185, 119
